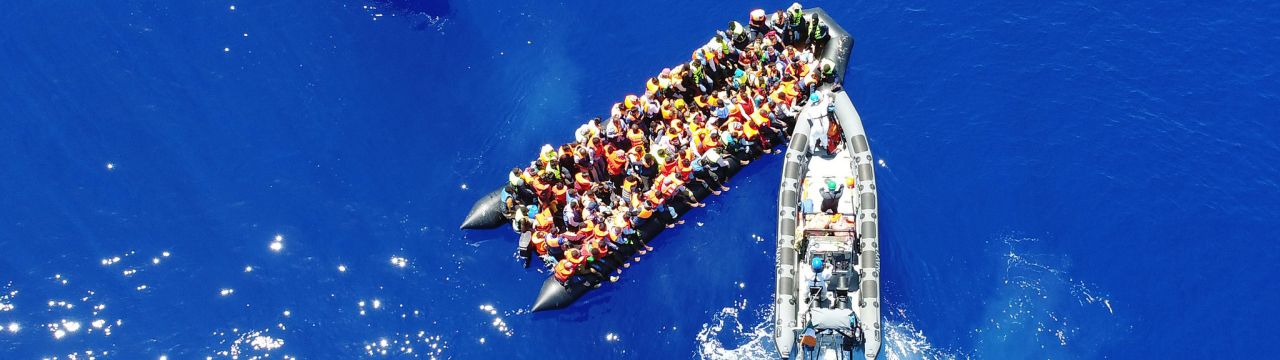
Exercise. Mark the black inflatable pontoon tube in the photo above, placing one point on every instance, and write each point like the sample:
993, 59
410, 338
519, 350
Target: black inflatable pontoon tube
487, 213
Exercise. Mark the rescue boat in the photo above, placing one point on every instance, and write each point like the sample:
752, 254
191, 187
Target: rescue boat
831, 311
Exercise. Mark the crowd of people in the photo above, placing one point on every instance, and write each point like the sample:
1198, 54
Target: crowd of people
584, 203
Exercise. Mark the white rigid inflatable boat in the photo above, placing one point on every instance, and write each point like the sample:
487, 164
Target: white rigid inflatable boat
835, 313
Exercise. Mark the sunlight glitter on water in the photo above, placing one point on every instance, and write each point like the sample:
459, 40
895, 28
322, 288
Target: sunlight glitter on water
498, 322
420, 345
277, 244
255, 345
399, 261
6, 300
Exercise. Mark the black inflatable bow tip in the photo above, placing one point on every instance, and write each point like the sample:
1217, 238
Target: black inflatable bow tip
487, 213
554, 296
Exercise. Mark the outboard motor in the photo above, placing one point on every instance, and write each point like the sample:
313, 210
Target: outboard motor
523, 251
840, 283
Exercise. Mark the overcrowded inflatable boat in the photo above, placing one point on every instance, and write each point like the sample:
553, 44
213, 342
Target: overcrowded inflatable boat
589, 208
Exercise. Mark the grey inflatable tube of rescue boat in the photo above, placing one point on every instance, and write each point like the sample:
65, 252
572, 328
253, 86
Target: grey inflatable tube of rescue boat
793, 168
848, 118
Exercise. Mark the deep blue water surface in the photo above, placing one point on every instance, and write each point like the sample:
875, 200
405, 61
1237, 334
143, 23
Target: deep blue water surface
1079, 179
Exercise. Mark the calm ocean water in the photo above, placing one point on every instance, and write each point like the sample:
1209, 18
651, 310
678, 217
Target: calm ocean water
216, 178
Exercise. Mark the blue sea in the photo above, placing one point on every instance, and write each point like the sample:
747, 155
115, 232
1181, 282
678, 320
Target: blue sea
227, 179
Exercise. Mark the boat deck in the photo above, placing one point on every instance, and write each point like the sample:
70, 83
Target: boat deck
838, 168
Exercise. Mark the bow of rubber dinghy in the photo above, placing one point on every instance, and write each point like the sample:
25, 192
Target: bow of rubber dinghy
487, 213
554, 296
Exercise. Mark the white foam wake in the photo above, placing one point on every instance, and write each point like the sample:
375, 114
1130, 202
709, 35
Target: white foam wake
725, 337
902, 341
1041, 310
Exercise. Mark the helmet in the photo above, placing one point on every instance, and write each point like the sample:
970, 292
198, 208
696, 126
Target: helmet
831, 185
757, 15
817, 264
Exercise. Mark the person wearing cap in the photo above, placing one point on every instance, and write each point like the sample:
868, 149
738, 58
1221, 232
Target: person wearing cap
831, 196
817, 276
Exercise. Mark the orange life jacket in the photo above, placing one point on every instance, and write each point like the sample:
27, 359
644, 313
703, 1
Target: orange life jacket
685, 169
564, 270
628, 185
617, 162
543, 220
709, 142
669, 185
749, 130
538, 185
636, 137
759, 119
600, 230
575, 257
653, 197
669, 166
539, 244
581, 182
598, 249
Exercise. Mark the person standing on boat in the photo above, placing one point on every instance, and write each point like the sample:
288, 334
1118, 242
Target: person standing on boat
795, 26
831, 196
758, 24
